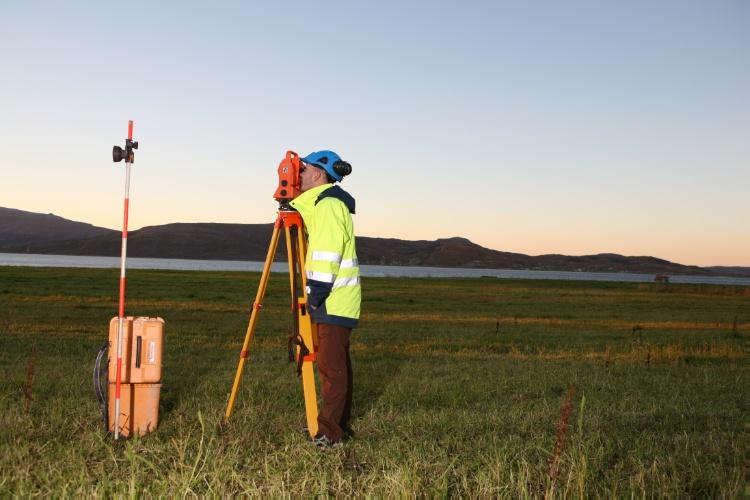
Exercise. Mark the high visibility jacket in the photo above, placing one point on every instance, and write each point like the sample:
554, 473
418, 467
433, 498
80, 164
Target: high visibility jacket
333, 285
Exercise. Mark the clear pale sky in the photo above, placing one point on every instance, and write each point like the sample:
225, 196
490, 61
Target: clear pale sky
537, 127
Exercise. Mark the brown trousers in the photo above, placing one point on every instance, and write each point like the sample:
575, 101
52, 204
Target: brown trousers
335, 370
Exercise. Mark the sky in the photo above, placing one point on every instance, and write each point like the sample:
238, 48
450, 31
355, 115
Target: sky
537, 127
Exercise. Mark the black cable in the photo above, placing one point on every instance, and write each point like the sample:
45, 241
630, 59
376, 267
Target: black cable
99, 389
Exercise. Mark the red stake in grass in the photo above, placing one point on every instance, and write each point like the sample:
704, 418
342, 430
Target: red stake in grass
118, 154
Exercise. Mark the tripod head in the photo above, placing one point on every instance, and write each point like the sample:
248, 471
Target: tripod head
118, 154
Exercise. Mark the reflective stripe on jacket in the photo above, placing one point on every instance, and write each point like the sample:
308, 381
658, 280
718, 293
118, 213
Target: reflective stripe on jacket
333, 283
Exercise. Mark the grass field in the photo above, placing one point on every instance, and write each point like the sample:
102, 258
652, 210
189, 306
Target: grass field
463, 387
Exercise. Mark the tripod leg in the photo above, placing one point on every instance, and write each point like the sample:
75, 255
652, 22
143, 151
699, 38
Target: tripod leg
254, 316
309, 333
313, 340
292, 232
310, 394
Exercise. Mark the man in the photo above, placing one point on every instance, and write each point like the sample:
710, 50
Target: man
333, 286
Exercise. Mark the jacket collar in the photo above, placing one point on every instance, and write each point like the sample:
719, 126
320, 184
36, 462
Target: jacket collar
305, 203
337, 193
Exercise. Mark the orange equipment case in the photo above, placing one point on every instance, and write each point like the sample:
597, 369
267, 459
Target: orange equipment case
140, 378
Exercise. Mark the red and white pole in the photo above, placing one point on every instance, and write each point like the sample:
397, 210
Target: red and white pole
121, 313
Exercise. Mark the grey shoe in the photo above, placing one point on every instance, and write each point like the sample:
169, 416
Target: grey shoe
348, 432
324, 442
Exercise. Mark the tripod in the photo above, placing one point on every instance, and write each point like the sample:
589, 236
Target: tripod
305, 333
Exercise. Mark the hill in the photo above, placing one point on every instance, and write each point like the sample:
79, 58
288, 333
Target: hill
19, 229
27, 232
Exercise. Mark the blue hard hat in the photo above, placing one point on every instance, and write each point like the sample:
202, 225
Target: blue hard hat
325, 160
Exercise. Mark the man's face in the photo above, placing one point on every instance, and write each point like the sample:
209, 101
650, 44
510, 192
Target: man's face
309, 176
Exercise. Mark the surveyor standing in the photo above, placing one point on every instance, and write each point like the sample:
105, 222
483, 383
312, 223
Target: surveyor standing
333, 285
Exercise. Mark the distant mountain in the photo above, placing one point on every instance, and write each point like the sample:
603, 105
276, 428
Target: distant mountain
447, 252
172, 241
729, 270
607, 262
19, 229
26, 232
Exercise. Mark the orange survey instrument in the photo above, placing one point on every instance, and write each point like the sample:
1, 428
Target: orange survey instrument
289, 182
304, 337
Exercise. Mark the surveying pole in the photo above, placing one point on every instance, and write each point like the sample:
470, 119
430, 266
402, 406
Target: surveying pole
118, 154
303, 340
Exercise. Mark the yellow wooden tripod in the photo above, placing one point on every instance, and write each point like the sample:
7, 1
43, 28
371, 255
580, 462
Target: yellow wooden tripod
305, 332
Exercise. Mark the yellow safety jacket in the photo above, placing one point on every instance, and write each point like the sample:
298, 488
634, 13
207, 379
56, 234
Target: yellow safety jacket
333, 285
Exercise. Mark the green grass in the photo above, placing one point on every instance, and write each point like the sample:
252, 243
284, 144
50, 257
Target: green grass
458, 389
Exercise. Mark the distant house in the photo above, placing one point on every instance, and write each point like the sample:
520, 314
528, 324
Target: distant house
661, 278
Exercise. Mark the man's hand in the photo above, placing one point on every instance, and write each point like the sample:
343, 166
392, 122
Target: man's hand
316, 295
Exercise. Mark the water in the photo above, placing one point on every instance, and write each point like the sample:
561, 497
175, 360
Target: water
36, 260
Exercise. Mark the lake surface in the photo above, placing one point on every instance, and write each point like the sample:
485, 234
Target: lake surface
36, 260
